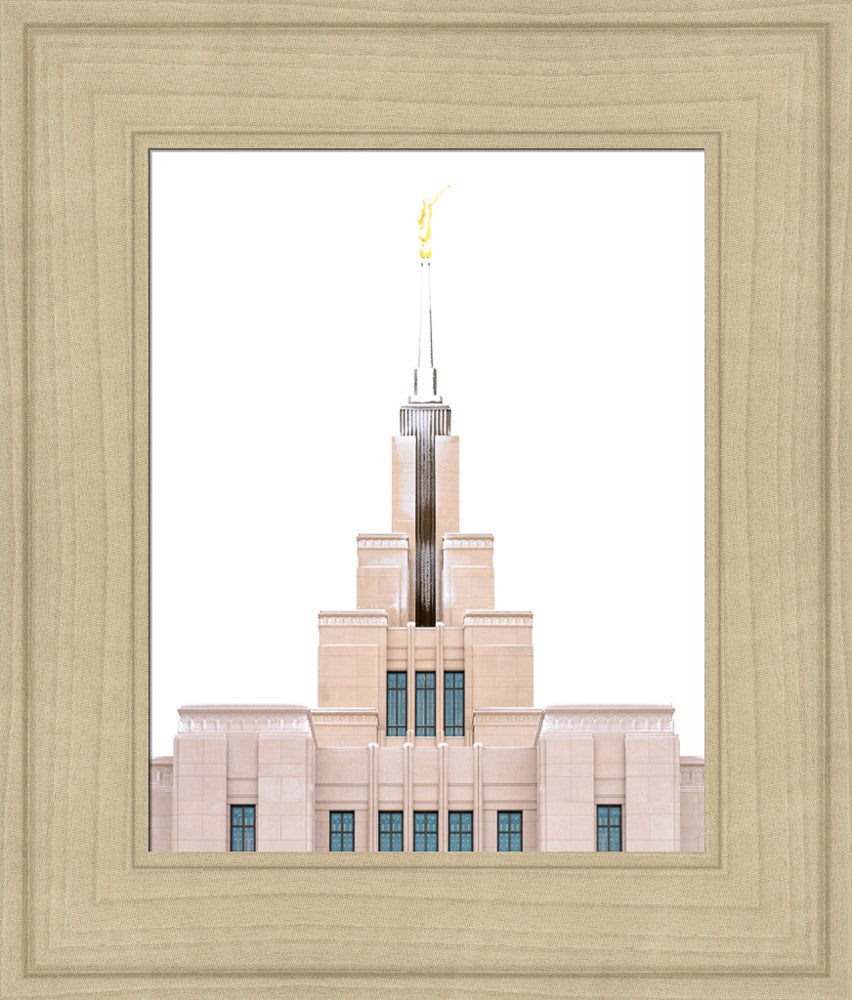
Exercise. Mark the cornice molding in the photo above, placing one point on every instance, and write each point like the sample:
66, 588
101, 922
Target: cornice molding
345, 717
161, 773
498, 618
617, 718
507, 716
456, 540
244, 719
387, 541
371, 616
691, 774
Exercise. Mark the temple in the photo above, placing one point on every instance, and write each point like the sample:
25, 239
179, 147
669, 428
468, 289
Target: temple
425, 738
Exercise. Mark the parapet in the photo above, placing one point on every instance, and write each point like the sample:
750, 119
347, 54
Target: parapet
608, 718
210, 719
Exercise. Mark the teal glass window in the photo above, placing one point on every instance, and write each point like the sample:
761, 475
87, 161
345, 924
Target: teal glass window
510, 827
341, 831
425, 831
397, 714
242, 828
424, 710
454, 703
461, 831
609, 828
390, 831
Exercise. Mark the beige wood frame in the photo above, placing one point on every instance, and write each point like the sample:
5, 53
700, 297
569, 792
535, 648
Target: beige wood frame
88, 88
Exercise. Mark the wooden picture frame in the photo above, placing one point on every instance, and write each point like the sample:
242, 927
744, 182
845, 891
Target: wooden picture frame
88, 89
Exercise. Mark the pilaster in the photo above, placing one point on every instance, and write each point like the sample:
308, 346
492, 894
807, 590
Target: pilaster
443, 798
373, 798
439, 681
478, 809
408, 798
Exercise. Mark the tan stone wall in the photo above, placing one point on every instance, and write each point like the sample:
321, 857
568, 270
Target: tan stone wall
555, 766
506, 727
652, 792
439, 779
509, 780
403, 499
610, 787
352, 658
200, 821
383, 575
242, 770
460, 794
692, 803
566, 802
446, 506
344, 727
343, 779
285, 792
624, 755
499, 656
161, 773
467, 578
556, 783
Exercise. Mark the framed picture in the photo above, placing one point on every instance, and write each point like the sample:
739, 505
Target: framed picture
89, 91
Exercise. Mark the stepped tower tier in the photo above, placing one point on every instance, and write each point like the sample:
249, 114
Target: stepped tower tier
425, 647
434, 452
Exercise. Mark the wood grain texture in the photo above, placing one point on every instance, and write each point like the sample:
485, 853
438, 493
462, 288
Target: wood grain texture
88, 89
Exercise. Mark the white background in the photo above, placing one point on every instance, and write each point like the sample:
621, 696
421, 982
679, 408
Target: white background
568, 316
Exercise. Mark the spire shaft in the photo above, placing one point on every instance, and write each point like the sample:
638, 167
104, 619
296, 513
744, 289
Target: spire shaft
425, 419
425, 376
424, 349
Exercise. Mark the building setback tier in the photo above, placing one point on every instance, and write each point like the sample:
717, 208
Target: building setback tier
548, 772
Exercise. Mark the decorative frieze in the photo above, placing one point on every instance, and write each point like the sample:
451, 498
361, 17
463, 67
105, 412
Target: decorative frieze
691, 774
498, 618
507, 716
455, 540
246, 719
619, 719
345, 717
374, 616
161, 773
390, 541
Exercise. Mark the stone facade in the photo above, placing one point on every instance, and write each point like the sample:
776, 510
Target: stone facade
424, 738
554, 766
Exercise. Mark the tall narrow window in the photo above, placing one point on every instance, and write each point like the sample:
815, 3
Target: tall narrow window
609, 828
510, 831
242, 828
390, 831
397, 714
461, 831
425, 831
454, 703
424, 717
341, 831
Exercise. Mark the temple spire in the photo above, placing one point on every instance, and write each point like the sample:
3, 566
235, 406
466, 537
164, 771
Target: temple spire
425, 375
426, 418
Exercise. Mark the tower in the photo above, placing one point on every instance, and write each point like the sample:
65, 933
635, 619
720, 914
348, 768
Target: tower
426, 419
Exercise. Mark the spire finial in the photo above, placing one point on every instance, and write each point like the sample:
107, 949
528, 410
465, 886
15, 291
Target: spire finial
425, 222
425, 376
